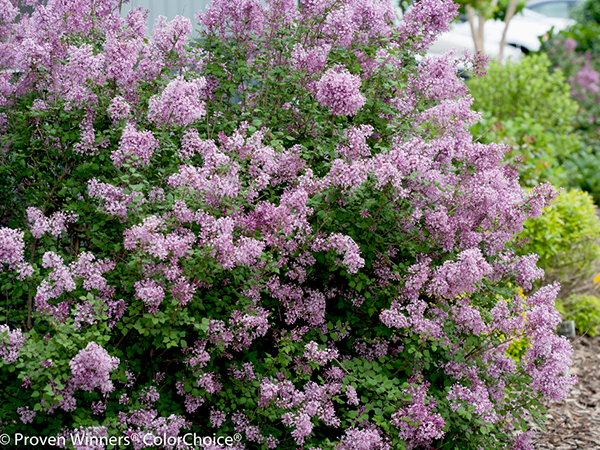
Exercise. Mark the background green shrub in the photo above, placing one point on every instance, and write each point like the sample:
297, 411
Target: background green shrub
565, 238
528, 107
584, 310
536, 149
587, 12
576, 52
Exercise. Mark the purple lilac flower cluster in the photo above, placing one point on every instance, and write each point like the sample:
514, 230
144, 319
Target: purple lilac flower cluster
12, 342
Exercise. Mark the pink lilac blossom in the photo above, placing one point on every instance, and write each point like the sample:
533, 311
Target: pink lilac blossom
91, 369
345, 245
370, 349
87, 143
317, 356
425, 21
347, 176
437, 79
241, 18
355, 145
11, 343
83, 68
339, 90
547, 361
116, 202
59, 280
183, 291
151, 293
121, 56
119, 109
8, 12
149, 237
217, 418
179, 104
375, 18
461, 276
468, 318
54, 225
368, 438
476, 395
522, 268
340, 25
135, 144
248, 325
570, 44
98, 408
200, 357
522, 441
352, 395
310, 60
309, 305
25, 414
172, 36
301, 423
586, 82
149, 395
208, 381
91, 271
136, 23
245, 373
12, 252
417, 422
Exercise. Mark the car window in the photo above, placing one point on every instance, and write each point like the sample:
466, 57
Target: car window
553, 9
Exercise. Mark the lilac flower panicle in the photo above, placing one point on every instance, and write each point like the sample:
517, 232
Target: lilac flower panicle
119, 109
367, 438
115, 201
180, 103
426, 20
91, 369
586, 82
54, 225
12, 252
140, 144
151, 293
11, 343
25, 414
339, 90
345, 245
417, 422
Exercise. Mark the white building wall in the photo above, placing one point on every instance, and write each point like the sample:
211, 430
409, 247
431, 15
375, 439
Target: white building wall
167, 8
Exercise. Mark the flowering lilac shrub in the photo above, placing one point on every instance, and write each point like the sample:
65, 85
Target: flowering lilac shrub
281, 229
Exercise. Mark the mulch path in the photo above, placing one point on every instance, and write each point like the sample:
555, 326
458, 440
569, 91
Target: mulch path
575, 423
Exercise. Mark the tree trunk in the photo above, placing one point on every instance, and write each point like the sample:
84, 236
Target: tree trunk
510, 12
477, 33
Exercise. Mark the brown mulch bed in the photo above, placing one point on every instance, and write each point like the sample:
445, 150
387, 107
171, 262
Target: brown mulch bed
575, 423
